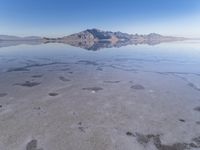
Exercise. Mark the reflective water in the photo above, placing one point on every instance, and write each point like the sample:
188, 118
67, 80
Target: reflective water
114, 98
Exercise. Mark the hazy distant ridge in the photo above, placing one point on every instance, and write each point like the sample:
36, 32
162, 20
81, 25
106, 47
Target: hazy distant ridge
16, 38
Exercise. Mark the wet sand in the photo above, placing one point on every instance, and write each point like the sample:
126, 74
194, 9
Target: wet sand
127, 104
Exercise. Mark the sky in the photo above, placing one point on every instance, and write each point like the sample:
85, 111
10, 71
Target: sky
56, 18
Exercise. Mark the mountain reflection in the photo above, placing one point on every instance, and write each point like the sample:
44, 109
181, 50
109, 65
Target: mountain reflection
87, 45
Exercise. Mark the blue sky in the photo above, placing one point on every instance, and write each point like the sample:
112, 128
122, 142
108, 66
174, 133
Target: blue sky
62, 17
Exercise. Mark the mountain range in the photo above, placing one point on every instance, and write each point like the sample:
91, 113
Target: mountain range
94, 39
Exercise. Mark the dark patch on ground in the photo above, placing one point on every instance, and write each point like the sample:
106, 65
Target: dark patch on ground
155, 140
130, 134
65, 69
37, 76
96, 89
37, 108
99, 69
111, 81
145, 139
28, 84
32, 145
1, 106
198, 122
64, 79
193, 86
81, 128
123, 69
45, 64
196, 141
70, 72
87, 62
27, 67
53, 94
18, 69
177, 73
197, 108
181, 120
176, 146
137, 87
162, 73
3, 94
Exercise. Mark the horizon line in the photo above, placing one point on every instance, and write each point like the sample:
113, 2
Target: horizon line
46, 36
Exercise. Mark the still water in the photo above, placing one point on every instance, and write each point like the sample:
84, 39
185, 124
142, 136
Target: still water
58, 97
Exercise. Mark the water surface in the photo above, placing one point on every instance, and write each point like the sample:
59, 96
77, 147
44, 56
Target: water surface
58, 97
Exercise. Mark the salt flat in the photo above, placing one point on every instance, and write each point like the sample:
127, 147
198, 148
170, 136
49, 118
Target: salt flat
55, 97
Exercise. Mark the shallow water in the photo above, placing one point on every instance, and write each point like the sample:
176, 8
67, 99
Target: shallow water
58, 97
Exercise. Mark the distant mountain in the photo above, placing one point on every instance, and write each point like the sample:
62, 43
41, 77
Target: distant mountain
92, 39
99, 35
16, 38
7, 37
7, 40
